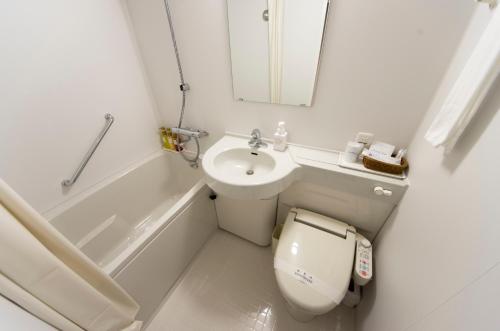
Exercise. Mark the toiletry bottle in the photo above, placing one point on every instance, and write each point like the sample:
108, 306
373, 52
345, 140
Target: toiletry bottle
352, 151
176, 144
164, 138
171, 139
280, 137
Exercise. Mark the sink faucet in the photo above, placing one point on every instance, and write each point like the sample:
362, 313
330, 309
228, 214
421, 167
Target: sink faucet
256, 140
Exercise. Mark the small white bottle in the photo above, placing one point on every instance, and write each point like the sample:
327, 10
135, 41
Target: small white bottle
280, 137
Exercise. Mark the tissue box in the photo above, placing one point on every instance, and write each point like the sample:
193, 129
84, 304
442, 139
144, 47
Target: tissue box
382, 148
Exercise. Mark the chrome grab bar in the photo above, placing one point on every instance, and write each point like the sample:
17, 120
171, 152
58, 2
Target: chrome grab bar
109, 120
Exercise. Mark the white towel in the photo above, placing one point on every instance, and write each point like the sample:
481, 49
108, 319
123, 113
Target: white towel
469, 90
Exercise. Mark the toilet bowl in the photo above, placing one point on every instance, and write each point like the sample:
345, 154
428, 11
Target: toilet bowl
313, 263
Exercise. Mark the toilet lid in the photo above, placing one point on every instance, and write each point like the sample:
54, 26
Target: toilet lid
313, 261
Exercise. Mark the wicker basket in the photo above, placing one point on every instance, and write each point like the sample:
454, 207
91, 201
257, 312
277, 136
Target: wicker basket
389, 168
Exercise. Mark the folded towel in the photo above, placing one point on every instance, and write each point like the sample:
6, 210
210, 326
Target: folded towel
469, 90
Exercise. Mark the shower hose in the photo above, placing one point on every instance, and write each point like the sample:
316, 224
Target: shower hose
184, 88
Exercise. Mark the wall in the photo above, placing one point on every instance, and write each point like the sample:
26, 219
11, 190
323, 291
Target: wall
381, 64
64, 64
437, 260
13, 317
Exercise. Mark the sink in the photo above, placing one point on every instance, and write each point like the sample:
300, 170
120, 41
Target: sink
242, 162
235, 170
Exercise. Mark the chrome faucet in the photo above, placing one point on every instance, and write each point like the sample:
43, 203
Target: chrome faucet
256, 140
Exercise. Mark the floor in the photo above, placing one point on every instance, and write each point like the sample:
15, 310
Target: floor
231, 286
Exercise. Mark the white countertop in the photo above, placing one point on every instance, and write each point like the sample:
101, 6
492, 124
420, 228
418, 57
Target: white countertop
329, 160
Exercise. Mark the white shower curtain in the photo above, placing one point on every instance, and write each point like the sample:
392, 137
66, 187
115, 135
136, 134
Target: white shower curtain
44, 273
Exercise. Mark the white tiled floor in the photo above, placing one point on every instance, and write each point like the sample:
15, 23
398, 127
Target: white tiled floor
231, 286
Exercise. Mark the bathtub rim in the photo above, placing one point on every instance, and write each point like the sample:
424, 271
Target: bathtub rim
128, 254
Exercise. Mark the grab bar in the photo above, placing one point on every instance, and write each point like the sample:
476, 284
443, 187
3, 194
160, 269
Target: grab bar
109, 120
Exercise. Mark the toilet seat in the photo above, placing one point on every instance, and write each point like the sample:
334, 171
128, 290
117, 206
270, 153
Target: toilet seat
314, 260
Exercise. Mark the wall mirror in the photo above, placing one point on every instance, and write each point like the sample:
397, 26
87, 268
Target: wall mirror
275, 49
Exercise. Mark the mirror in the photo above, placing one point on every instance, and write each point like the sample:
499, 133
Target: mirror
275, 49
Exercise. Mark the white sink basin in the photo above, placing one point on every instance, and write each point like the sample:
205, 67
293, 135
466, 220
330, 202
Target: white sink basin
235, 170
243, 162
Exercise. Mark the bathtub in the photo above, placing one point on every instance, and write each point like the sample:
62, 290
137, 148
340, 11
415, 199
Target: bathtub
142, 226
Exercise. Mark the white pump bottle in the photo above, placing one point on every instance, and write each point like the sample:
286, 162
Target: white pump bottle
280, 138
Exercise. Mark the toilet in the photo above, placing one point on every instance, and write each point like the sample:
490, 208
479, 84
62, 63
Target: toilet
313, 263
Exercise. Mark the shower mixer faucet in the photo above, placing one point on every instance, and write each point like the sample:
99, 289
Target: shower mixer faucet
189, 132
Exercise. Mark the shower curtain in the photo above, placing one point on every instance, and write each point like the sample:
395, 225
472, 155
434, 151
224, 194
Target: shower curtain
44, 273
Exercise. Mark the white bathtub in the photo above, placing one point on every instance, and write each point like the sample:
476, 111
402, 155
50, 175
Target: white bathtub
143, 226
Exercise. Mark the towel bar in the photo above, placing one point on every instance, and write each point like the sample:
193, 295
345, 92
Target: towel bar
491, 3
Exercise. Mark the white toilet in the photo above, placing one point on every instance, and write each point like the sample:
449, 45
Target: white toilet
313, 263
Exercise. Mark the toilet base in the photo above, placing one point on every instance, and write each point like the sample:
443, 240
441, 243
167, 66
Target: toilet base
298, 313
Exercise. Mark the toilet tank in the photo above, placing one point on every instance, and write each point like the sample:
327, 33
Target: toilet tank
345, 195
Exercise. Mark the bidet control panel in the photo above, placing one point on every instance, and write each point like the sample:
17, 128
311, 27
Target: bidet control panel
363, 266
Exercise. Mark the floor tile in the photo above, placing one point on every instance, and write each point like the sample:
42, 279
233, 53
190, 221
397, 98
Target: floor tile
231, 286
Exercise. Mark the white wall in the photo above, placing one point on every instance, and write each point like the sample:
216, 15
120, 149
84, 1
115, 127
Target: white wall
437, 260
63, 65
13, 317
381, 65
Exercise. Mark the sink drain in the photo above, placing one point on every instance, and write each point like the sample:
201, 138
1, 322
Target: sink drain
249, 172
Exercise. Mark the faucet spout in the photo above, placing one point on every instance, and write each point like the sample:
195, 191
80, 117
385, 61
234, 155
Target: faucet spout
256, 139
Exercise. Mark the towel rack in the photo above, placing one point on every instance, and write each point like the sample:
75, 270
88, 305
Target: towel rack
109, 121
491, 3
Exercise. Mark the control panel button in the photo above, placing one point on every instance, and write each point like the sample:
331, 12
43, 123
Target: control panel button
365, 243
363, 264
